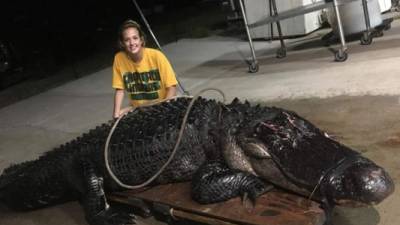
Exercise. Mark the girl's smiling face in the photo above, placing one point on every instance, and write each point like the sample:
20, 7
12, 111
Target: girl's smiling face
132, 41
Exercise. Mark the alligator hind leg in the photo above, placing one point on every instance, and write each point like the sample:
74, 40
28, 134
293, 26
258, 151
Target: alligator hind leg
97, 210
215, 182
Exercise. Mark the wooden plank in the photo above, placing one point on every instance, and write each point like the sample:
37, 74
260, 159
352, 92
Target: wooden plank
275, 207
199, 218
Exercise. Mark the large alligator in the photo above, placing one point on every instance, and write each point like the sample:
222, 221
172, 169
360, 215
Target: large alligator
227, 150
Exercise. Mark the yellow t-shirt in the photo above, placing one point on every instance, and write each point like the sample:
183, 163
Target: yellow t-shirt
145, 81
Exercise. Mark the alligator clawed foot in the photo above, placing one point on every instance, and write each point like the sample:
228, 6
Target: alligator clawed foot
252, 192
247, 203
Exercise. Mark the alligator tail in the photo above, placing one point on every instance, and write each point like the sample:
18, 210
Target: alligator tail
11, 175
33, 184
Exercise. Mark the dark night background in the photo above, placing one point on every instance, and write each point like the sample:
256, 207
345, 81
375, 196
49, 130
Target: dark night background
40, 38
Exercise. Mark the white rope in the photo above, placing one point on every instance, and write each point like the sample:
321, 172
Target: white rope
182, 128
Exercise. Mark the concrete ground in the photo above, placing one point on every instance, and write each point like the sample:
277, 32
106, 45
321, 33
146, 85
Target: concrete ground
357, 101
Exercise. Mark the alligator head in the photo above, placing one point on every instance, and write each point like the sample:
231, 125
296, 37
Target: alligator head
291, 152
314, 161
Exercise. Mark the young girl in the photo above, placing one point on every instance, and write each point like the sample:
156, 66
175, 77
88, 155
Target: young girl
145, 74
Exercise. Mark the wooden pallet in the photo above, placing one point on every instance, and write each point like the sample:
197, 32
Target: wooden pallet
273, 208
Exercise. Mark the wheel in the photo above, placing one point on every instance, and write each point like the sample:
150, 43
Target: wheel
366, 39
281, 53
378, 33
340, 56
388, 26
253, 67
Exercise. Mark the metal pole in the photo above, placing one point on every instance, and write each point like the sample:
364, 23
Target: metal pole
147, 24
367, 36
271, 25
366, 15
282, 51
246, 25
278, 24
155, 40
340, 26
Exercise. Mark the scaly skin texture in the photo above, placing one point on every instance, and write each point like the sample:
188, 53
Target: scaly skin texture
226, 150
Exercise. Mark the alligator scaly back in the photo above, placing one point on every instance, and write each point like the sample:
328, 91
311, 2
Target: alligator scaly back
57, 175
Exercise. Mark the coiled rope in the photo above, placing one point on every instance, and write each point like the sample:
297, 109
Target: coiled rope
178, 141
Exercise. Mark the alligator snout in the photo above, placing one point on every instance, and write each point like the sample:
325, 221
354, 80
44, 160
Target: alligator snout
362, 183
376, 186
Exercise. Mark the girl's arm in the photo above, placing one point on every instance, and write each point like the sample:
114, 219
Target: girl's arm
118, 97
171, 92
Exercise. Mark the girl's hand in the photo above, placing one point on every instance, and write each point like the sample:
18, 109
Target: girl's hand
122, 112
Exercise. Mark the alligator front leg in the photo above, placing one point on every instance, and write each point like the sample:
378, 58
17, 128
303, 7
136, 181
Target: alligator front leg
215, 182
97, 210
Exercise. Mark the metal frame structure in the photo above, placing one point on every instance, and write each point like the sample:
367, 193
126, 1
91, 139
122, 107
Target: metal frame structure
340, 55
